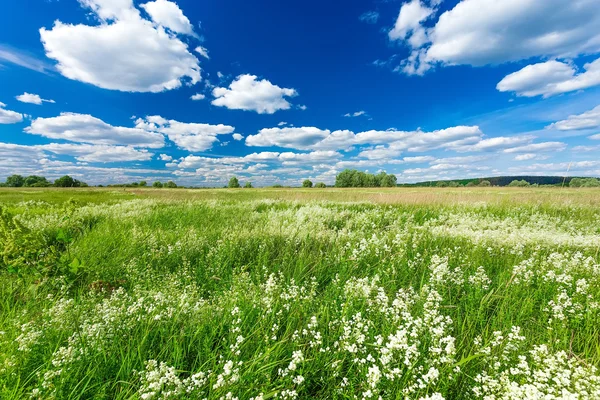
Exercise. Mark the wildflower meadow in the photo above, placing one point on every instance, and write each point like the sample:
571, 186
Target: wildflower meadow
468, 293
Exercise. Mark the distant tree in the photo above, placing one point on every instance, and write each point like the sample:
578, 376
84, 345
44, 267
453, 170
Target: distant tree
485, 183
36, 181
441, 184
248, 185
171, 185
67, 181
519, 183
344, 178
233, 183
143, 183
389, 180
307, 183
471, 184
15, 181
575, 182
453, 184
277, 186
157, 184
321, 185
354, 178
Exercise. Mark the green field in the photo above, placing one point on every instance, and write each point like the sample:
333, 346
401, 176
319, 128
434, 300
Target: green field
403, 293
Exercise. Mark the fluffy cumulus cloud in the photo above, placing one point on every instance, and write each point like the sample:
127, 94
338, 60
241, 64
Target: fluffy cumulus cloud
294, 138
187, 136
587, 120
550, 78
481, 32
312, 138
167, 14
8, 116
248, 93
84, 128
237, 136
130, 53
198, 96
32, 99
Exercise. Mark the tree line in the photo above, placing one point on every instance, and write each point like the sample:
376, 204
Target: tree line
41, 181
355, 178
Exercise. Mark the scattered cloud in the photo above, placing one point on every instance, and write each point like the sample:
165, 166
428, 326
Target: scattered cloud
537, 148
588, 120
98, 153
202, 51
165, 157
302, 107
356, 114
120, 59
8, 116
84, 128
237, 136
23, 59
187, 136
248, 93
550, 78
168, 15
198, 96
32, 99
370, 17
482, 32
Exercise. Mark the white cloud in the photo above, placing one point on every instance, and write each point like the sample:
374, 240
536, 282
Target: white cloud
282, 123
356, 114
85, 128
302, 107
588, 120
481, 32
165, 157
198, 96
550, 78
169, 15
538, 148
295, 138
187, 136
128, 53
525, 157
98, 153
307, 138
247, 93
23, 59
202, 51
370, 17
408, 24
32, 99
496, 143
8, 116
237, 136
595, 137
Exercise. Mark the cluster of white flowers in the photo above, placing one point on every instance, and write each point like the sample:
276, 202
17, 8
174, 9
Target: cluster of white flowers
161, 382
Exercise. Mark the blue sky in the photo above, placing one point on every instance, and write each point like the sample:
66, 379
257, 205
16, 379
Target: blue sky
276, 91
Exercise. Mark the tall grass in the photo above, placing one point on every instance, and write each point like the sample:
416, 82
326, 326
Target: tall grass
247, 296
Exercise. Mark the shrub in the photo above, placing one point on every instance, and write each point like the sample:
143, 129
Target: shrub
248, 185
157, 184
321, 185
517, 183
307, 183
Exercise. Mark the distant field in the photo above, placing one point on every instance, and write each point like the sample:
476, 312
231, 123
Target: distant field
403, 293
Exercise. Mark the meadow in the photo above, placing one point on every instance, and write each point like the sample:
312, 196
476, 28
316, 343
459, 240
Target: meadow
402, 293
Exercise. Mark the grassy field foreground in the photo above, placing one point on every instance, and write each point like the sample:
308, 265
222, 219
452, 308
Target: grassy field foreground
330, 294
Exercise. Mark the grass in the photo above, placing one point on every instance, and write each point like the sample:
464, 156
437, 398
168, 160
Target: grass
300, 293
